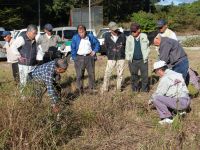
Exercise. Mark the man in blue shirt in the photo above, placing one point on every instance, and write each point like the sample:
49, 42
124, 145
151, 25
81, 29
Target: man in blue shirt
49, 73
83, 49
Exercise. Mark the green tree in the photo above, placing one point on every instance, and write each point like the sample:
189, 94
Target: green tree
10, 17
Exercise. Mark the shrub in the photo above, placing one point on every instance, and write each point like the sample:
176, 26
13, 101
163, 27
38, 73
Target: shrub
192, 42
146, 20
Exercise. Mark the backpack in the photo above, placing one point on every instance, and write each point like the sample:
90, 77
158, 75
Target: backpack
194, 78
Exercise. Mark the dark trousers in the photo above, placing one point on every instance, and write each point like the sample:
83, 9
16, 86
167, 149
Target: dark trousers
182, 67
82, 63
135, 66
15, 71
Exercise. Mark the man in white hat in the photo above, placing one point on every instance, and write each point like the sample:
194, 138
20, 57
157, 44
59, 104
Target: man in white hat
115, 42
171, 92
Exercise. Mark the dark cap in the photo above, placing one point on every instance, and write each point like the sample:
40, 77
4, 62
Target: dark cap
48, 27
5, 33
161, 23
134, 27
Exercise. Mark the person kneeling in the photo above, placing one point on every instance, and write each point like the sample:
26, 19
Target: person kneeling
49, 73
171, 93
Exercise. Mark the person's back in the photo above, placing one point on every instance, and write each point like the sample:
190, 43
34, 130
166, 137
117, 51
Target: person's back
171, 51
172, 84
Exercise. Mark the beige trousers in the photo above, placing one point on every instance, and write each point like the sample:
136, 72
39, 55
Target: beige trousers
111, 64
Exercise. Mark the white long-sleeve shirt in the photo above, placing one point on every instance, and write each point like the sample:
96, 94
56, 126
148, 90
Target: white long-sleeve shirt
170, 34
20, 42
11, 58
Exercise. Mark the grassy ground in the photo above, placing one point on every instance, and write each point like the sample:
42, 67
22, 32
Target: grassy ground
114, 121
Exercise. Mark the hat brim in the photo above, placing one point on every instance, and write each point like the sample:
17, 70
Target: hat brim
3, 35
114, 28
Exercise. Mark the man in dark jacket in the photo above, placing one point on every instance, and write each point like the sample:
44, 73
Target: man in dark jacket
83, 49
115, 46
173, 54
25, 49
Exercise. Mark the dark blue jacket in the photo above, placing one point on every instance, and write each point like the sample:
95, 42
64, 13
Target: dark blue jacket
76, 41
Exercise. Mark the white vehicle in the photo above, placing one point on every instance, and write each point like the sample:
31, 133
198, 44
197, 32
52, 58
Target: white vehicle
91, 31
66, 33
18, 33
101, 38
2, 42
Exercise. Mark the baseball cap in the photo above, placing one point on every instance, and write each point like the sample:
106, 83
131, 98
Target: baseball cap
161, 23
5, 33
113, 26
134, 27
159, 64
48, 27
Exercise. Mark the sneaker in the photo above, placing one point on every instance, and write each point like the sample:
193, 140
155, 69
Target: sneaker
182, 114
165, 121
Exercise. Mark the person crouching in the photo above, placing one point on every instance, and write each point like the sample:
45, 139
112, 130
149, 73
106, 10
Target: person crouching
171, 93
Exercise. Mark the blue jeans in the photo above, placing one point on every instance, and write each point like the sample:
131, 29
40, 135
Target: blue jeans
182, 67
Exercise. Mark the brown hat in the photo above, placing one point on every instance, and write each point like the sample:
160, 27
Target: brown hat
134, 27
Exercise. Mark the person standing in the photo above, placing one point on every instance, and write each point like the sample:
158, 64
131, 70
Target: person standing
171, 92
83, 49
48, 43
164, 30
173, 54
137, 52
25, 49
115, 42
10, 56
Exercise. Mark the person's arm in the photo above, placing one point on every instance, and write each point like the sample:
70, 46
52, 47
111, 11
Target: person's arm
162, 88
3, 48
146, 42
49, 81
173, 36
127, 49
17, 44
96, 44
73, 48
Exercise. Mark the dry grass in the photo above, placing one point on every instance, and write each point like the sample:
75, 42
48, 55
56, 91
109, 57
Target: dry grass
114, 121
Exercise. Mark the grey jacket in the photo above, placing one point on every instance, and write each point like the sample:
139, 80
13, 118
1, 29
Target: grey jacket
171, 51
49, 44
130, 46
171, 85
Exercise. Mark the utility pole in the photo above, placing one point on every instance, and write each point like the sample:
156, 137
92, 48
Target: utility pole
90, 26
39, 15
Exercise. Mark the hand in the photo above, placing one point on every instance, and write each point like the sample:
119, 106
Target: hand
22, 59
150, 102
92, 53
55, 108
